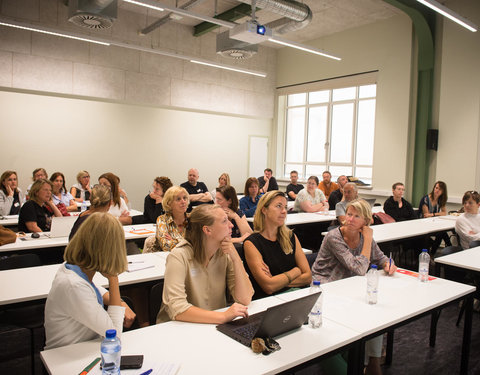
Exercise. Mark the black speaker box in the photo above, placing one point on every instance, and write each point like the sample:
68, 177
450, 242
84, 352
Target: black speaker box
432, 139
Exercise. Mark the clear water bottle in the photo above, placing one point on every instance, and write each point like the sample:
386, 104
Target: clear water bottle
111, 349
423, 265
83, 207
315, 316
372, 285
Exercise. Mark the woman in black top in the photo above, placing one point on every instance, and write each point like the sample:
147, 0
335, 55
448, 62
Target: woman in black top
273, 253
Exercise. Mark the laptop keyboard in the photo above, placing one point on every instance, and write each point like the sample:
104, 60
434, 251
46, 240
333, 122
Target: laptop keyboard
248, 331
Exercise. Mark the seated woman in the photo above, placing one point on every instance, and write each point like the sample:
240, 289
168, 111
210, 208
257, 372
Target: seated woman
60, 194
100, 200
37, 174
118, 208
82, 189
171, 225
467, 225
36, 214
348, 251
74, 309
226, 198
223, 180
311, 199
273, 253
248, 203
153, 207
199, 270
11, 197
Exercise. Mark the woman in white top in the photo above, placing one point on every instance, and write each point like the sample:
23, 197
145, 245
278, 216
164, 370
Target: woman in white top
223, 180
467, 225
312, 198
118, 208
11, 197
82, 190
74, 311
60, 194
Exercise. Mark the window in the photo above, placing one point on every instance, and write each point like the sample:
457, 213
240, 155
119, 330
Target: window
330, 129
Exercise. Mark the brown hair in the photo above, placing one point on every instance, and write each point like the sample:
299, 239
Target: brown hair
35, 171
4, 177
164, 182
471, 194
100, 197
315, 178
114, 183
229, 192
227, 177
54, 176
250, 181
442, 199
394, 186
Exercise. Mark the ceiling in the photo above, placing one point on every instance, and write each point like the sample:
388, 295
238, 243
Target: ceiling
329, 16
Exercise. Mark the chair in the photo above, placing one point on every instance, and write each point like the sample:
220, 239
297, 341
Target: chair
19, 261
311, 258
474, 244
155, 302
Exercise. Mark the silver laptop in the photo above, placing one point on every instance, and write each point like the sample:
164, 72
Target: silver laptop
61, 226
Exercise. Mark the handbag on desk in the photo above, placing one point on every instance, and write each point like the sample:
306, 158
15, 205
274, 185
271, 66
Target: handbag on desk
7, 236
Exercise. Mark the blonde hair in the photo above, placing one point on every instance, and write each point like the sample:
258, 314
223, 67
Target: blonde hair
201, 216
36, 186
99, 245
363, 208
284, 234
227, 177
80, 175
170, 196
101, 196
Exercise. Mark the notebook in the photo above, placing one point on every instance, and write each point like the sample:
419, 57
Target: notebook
272, 322
61, 226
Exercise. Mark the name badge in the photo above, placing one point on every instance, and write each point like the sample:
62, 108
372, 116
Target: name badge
16, 204
194, 272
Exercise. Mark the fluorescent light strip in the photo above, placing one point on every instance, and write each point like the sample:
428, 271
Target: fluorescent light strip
47, 31
144, 5
302, 47
245, 71
455, 17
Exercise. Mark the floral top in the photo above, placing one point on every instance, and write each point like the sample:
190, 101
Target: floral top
166, 225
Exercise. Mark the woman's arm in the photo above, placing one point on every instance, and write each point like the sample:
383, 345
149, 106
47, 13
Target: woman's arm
112, 298
6, 201
241, 222
73, 191
56, 211
305, 277
307, 206
73, 206
195, 314
244, 206
33, 227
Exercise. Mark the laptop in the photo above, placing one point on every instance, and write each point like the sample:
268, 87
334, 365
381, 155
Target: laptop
272, 322
370, 201
61, 226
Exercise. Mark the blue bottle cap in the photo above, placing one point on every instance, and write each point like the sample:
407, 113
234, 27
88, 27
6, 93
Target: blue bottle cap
316, 282
374, 266
424, 251
110, 334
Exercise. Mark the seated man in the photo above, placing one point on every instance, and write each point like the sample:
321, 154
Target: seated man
327, 185
337, 195
267, 182
197, 191
293, 188
350, 193
396, 206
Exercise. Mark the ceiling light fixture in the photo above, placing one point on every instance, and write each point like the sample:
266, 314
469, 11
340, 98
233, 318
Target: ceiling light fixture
302, 47
443, 10
246, 71
49, 31
144, 5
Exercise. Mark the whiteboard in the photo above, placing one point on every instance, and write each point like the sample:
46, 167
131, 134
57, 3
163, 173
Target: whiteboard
258, 155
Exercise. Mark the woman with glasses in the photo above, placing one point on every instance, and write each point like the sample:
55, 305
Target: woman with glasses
82, 189
312, 198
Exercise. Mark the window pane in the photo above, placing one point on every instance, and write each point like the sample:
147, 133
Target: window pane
338, 171
365, 132
317, 134
318, 97
341, 140
295, 135
296, 99
344, 94
364, 174
293, 167
314, 170
369, 91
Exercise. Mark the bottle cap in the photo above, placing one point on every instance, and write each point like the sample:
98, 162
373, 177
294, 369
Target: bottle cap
374, 266
110, 334
424, 251
316, 282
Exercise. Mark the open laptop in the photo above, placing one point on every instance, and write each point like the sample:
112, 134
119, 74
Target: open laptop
272, 322
61, 226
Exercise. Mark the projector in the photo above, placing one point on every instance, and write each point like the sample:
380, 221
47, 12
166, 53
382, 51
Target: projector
251, 32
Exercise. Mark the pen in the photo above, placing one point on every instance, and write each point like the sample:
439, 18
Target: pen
138, 261
90, 366
146, 372
390, 264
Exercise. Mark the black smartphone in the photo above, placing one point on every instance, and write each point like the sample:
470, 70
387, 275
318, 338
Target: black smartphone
131, 362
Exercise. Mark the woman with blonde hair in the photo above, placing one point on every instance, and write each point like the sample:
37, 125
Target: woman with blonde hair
199, 270
82, 190
74, 311
223, 180
11, 197
273, 253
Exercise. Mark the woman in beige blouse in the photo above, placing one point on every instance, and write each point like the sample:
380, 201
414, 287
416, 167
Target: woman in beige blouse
200, 268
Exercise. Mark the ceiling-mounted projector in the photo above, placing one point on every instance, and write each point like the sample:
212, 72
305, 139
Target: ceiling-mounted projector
251, 32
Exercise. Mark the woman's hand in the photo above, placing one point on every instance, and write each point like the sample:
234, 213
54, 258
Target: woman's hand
129, 316
389, 269
9, 190
231, 215
125, 214
367, 232
228, 248
234, 311
266, 269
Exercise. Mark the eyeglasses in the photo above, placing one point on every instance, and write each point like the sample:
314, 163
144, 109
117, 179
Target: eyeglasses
85, 176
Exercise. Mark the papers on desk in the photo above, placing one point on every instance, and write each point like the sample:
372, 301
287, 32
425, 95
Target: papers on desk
138, 265
158, 368
141, 231
414, 274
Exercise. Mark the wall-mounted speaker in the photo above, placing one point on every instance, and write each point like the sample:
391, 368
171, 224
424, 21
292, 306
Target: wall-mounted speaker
432, 139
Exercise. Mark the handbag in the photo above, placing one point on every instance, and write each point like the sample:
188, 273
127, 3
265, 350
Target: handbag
63, 209
382, 218
7, 236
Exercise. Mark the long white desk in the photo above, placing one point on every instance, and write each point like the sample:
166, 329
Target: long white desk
30, 284
467, 259
201, 349
9, 220
132, 232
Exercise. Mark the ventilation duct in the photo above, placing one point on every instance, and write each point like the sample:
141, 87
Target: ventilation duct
92, 14
234, 49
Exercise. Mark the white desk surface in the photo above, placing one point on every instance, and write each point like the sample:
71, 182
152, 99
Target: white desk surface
29, 284
399, 298
201, 349
132, 232
9, 220
468, 259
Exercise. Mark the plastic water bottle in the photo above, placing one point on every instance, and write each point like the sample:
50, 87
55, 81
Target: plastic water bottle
83, 207
423, 264
111, 349
372, 285
315, 316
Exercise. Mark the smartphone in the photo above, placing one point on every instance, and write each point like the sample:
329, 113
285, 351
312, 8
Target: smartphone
131, 362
